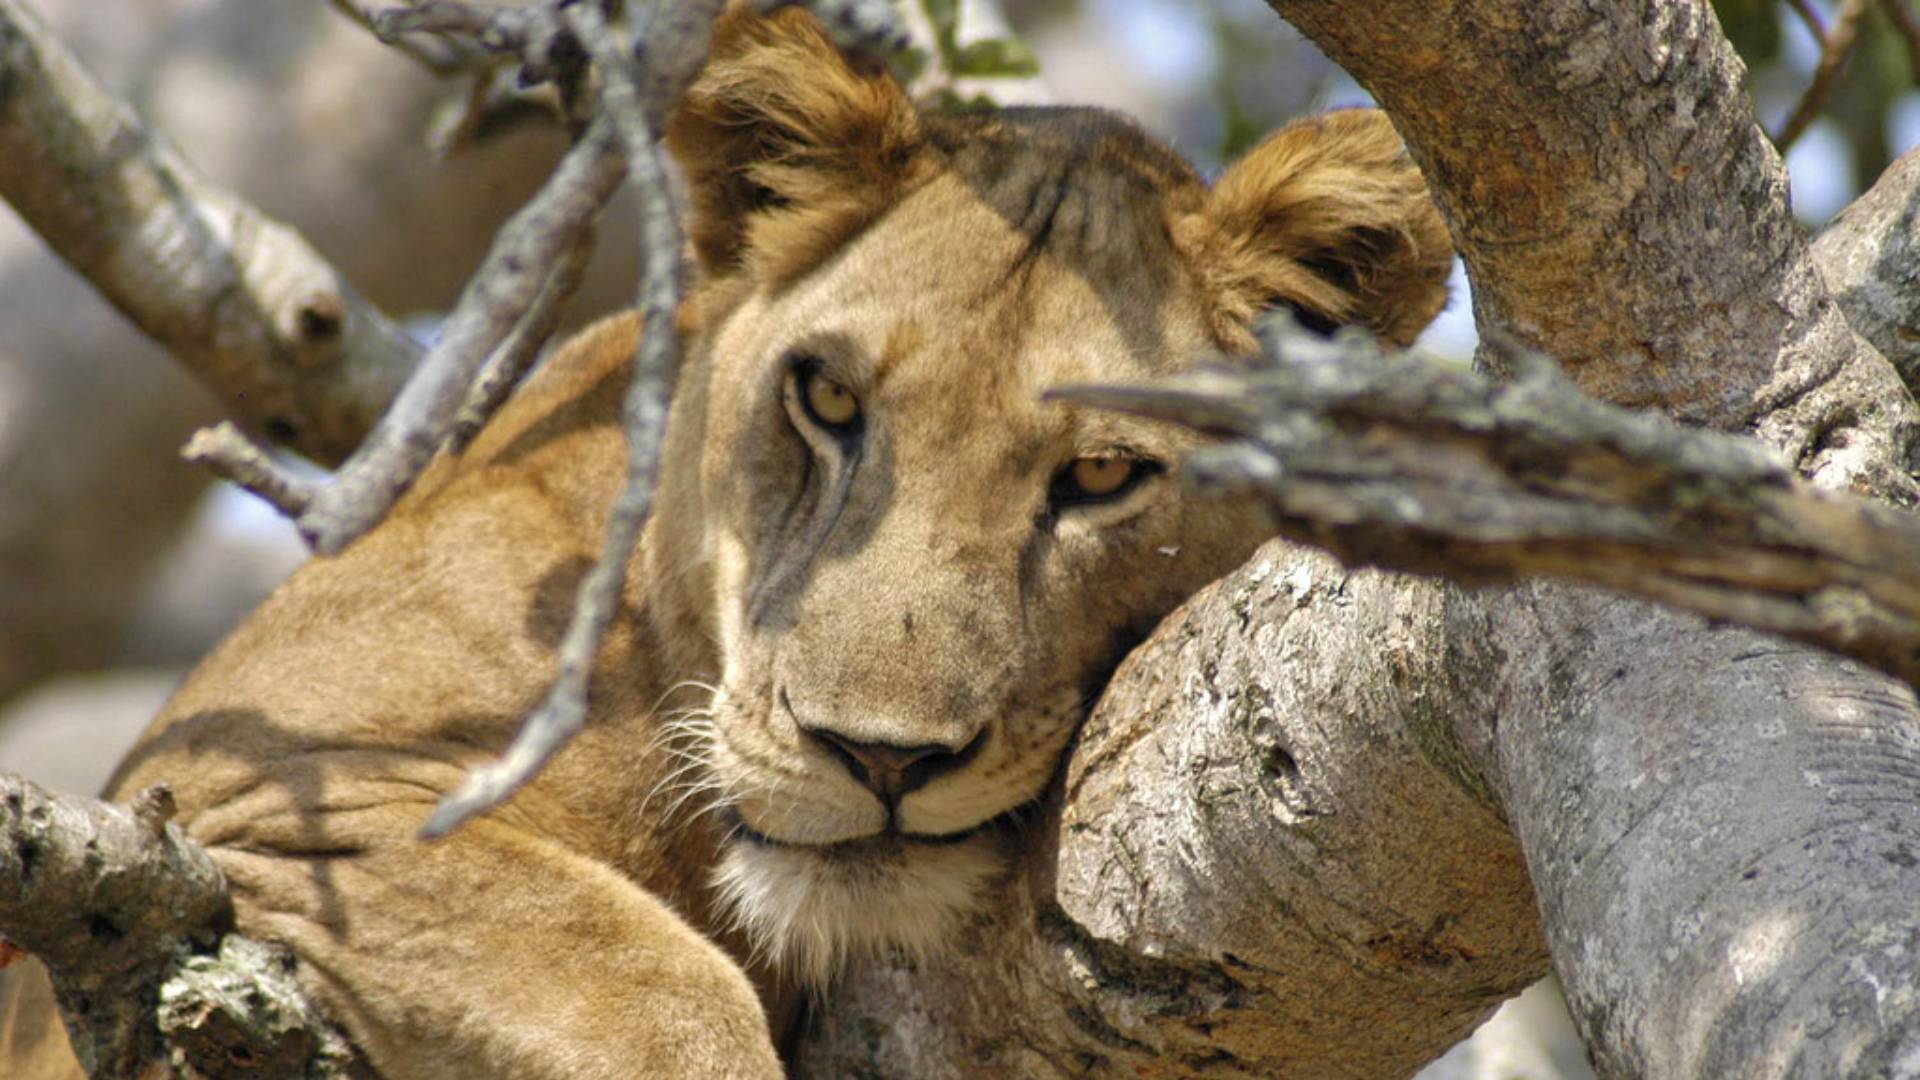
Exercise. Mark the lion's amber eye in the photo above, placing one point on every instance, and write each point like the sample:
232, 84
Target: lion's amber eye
1099, 478
828, 402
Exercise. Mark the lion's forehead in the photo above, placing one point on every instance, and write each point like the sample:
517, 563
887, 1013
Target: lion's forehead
946, 291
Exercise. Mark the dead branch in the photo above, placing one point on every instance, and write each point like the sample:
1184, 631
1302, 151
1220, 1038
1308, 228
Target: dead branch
1410, 463
442, 55
509, 281
223, 449
514, 357
132, 919
1836, 46
670, 56
240, 299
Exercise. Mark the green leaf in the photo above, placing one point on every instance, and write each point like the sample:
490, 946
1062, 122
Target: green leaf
995, 58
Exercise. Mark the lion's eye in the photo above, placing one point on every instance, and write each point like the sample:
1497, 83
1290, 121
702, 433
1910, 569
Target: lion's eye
1099, 478
827, 402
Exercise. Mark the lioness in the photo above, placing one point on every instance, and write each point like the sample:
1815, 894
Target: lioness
882, 583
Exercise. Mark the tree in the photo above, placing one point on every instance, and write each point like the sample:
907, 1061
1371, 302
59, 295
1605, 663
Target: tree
1325, 820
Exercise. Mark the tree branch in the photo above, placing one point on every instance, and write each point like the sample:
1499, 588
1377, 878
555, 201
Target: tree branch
131, 917
1870, 258
1408, 463
507, 284
1836, 45
1618, 206
241, 300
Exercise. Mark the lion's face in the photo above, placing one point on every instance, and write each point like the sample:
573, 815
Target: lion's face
913, 574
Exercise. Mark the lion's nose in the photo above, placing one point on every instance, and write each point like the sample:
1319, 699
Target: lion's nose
892, 771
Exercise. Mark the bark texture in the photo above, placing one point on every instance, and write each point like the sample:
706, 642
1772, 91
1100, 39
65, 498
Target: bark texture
1618, 206
132, 918
1870, 256
1408, 463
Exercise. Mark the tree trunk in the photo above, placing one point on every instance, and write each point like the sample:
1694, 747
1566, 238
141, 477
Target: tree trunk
1712, 820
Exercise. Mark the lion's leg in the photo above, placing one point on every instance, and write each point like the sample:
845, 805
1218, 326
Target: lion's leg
495, 953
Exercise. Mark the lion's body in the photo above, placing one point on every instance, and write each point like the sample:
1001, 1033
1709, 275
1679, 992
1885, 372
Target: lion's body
855, 641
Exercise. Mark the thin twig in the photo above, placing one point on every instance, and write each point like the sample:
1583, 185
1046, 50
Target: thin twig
233, 456
1835, 47
439, 54
1903, 21
673, 52
514, 356
494, 302
1413, 464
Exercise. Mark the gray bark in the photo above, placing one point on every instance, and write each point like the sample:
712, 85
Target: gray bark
132, 920
1407, 463
316, 123
1706, 813
1870, 257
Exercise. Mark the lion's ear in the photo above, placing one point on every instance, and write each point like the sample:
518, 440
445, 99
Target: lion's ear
787, 147
1330, 217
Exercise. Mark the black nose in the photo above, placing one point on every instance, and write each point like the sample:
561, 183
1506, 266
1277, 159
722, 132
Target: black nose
892, 771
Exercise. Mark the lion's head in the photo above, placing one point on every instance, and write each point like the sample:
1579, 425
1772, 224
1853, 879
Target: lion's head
907, 575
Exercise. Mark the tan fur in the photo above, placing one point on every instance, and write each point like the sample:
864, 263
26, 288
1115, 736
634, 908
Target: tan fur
703, 851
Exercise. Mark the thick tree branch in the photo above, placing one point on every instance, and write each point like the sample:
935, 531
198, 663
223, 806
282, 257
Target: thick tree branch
131, 917
1619, 209
1618, 206
1409, 463
240, 299
1870, 257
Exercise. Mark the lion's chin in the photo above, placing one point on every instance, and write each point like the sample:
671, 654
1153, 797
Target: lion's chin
810, 911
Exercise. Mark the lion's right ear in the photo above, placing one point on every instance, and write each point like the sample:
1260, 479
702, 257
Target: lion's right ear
1330, 217
788, 149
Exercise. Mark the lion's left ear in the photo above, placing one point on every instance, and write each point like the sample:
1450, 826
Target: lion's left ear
788, 147
1330, 217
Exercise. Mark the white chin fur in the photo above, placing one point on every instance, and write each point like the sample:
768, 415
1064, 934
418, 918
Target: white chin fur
812, 911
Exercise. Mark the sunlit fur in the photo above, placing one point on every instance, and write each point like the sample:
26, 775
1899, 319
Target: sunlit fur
808, 912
